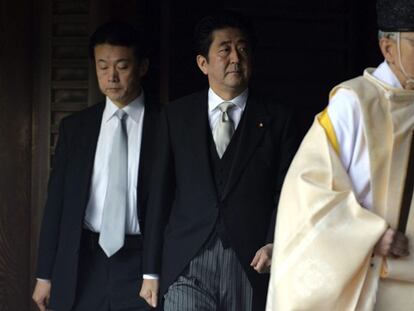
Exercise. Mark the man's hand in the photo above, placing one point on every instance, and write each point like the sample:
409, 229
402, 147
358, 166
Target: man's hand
41, 294
149, 291
392, 243
263, 259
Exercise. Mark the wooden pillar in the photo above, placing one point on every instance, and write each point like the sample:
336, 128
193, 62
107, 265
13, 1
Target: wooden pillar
15, 152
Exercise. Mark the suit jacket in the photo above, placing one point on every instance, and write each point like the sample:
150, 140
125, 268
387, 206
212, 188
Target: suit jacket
68, 194
183, 197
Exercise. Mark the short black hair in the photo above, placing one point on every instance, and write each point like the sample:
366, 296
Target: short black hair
203, 34
120, 34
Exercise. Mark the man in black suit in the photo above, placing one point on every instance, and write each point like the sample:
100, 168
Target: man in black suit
90, 245
221, 158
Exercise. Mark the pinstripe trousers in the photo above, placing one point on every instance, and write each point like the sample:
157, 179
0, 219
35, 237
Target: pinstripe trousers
213, 281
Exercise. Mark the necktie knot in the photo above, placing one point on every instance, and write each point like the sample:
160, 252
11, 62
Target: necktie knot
121, 115
225, 106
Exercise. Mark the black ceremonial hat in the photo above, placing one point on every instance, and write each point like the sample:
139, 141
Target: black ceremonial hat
395, 15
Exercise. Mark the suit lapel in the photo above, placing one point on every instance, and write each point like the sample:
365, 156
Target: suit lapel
196, 119
254, 122
90, 127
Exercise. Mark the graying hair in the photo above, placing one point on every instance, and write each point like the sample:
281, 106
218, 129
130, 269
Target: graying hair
387, 34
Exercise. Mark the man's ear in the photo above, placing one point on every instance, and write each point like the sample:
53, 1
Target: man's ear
389, 50
202, 64
143, 67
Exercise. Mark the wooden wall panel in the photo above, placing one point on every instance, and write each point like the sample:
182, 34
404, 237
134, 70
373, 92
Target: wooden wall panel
15, 147
70, 61
41, 54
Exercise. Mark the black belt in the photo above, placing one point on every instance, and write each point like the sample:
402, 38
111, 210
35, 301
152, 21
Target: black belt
90, 241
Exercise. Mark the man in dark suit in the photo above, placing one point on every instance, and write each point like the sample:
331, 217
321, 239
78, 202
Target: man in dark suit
90, 245
220, 162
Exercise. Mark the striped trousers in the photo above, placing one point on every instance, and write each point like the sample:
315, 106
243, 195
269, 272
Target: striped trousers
213, 281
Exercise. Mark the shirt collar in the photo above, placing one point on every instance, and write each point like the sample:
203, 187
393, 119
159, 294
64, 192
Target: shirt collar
386, 75
214, 100
133, 109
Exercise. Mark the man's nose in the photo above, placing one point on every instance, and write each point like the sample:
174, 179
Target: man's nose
234, 56
113, 75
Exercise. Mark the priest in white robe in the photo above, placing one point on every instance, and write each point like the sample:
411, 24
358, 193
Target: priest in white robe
337, 245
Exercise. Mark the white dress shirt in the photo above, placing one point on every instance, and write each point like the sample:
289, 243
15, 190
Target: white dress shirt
235, 113
345, 114
134, 122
